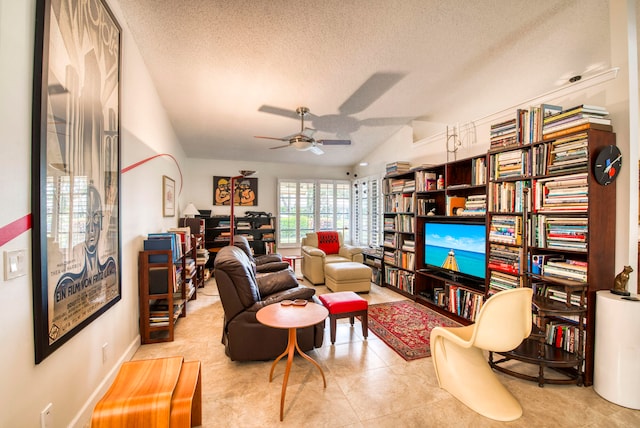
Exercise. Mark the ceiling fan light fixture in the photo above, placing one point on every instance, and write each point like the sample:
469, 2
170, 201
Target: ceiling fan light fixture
301, 144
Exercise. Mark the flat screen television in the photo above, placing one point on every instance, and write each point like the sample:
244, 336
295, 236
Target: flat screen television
457, 249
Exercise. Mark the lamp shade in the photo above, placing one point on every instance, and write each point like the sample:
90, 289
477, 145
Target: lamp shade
190, 211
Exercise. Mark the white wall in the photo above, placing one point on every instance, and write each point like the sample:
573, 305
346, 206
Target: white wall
74, 376
199, 174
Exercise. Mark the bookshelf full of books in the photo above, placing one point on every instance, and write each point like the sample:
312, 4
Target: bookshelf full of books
551, 227
452, 193
260, 231
398, 256
166, 274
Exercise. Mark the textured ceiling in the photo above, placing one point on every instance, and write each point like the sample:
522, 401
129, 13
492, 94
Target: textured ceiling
229, 70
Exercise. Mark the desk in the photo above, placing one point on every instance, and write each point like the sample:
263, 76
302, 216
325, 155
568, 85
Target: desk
291, 317
163, 392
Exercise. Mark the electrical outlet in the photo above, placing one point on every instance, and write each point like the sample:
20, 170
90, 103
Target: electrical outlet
105, 350
46, 417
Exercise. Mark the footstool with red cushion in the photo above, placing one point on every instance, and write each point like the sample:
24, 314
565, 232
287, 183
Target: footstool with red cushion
345, 304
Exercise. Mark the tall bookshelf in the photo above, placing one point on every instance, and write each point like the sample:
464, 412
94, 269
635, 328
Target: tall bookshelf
399, 231
571, 236
550, 226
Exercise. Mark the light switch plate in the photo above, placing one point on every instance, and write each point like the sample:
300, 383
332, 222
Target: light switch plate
15, 264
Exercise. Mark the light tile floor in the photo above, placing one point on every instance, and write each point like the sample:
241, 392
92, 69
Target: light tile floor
368, 384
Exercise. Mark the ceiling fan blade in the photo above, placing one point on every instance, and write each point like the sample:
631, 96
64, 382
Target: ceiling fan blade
334, 142
372, 89
271, 138
280, 147
279, 111
316, 150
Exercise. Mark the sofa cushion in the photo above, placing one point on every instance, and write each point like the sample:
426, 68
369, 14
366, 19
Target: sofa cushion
329, 242
335, 258
273, 282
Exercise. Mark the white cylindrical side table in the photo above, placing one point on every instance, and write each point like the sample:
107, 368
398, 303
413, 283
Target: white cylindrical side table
617, 349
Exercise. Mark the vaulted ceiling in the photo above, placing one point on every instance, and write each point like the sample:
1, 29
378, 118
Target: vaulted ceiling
228, 70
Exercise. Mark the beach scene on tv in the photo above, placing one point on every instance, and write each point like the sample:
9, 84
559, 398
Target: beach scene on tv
456, 247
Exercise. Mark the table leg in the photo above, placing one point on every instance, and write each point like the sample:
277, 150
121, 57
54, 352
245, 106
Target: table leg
273, 366
308, 358
292, 346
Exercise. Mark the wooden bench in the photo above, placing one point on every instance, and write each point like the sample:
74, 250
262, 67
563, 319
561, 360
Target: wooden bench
163, 392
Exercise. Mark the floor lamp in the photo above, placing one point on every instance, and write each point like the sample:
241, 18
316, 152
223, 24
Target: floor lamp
243, 174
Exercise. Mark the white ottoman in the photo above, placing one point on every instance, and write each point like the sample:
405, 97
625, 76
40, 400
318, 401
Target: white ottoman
348, 276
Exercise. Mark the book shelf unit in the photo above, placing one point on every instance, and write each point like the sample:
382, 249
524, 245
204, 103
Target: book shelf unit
260, 231
460, 198
162, 297
569, 244
199, 255
373, 259
550, 226
399, 232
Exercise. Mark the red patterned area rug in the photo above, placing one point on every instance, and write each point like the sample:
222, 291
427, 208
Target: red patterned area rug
405, 327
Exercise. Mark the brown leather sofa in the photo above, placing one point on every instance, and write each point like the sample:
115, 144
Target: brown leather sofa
265, 262
314, 259
242, 294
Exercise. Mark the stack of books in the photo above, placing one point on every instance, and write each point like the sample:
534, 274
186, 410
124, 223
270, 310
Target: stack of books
506, 229
409, 186
576, 119
503, 134
567, 233
399, 167
569, 154
499, 281
397, 186
475, 205
504, 258
409, 245
243, 225
202, 256
567, 193
567, 269
509, 164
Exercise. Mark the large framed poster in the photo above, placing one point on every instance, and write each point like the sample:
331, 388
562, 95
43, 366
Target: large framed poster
76, 168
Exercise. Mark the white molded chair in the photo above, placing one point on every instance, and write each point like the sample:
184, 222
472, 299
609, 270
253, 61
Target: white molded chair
460, 364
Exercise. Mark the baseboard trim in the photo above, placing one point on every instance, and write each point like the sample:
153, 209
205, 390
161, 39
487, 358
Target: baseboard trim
83, 417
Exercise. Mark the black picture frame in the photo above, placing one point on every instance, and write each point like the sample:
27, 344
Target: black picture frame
75, 169
243, 186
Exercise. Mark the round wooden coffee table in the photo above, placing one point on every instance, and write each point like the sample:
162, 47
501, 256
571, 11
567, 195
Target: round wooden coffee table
292, 317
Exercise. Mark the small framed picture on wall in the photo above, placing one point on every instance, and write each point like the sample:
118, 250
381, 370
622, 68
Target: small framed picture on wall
168, 197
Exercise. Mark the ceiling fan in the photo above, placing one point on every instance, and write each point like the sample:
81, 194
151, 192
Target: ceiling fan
304, 140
